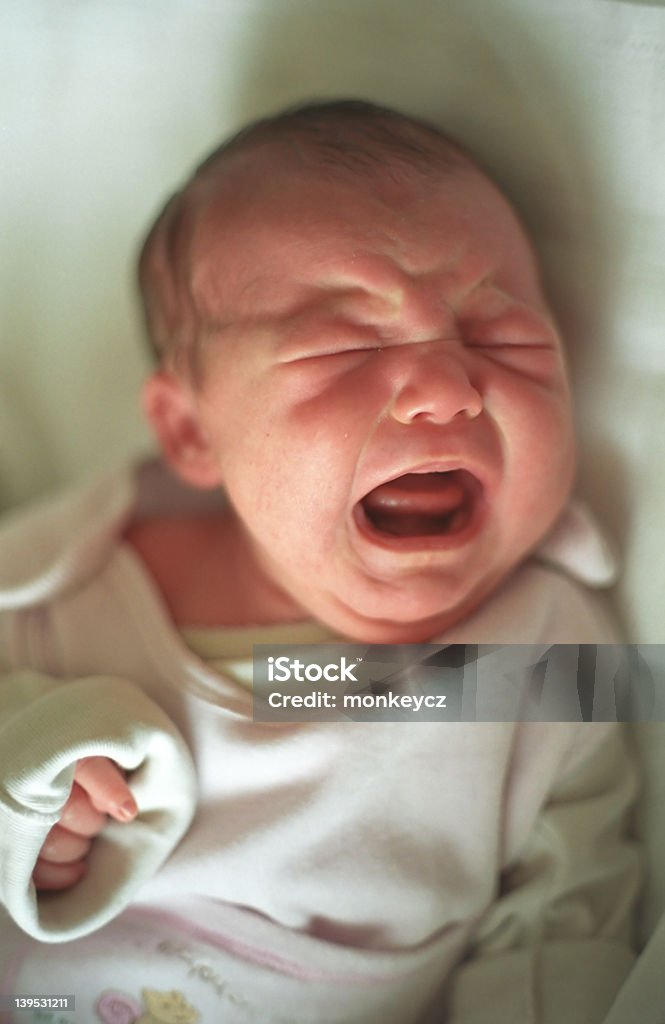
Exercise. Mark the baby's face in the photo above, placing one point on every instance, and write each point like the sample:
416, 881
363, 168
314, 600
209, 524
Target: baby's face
383, 393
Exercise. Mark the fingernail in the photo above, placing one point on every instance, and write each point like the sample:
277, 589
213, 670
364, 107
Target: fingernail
127, 810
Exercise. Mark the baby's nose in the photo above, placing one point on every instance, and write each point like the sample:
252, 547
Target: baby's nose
434, 384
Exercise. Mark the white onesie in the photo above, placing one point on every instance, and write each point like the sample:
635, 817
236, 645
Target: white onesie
340, 872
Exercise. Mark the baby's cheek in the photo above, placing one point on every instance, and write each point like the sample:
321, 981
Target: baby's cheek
539, 454
533, 420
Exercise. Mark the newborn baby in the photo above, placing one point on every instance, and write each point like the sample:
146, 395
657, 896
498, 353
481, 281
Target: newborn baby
354, 344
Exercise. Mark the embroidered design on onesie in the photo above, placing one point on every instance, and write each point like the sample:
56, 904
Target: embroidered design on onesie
115, 1007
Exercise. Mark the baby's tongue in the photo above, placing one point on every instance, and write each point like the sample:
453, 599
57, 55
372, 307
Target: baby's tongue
416, 503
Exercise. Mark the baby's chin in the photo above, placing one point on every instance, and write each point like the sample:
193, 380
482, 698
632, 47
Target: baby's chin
406, 622
410, 603
383, 631
395, 633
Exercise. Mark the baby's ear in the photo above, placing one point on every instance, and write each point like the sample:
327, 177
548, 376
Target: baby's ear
170, 409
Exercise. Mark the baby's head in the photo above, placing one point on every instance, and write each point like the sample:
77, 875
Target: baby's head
354, 343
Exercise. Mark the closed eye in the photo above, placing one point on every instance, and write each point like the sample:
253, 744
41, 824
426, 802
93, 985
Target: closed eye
516, 329
521, 346
536, 360
329, 353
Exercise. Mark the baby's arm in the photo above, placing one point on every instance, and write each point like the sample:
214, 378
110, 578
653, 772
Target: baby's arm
99, 789
47, 728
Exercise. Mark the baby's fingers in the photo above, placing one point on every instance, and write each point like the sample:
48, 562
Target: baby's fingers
57, 876
63, 847
79, 815
105, 785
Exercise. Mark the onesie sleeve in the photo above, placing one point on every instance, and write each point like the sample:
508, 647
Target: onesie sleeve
558, 943
46, 726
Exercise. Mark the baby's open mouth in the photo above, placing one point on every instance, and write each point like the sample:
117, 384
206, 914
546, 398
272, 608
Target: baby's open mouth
423, 504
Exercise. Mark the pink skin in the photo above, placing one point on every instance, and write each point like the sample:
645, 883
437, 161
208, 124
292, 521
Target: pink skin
99, 790
354, 335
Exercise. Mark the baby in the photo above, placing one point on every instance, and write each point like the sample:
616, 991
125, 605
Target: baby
354, 344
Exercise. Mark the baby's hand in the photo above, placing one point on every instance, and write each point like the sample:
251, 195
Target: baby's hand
99, 789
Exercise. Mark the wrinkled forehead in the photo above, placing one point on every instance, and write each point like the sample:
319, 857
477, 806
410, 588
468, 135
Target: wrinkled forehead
253, 226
